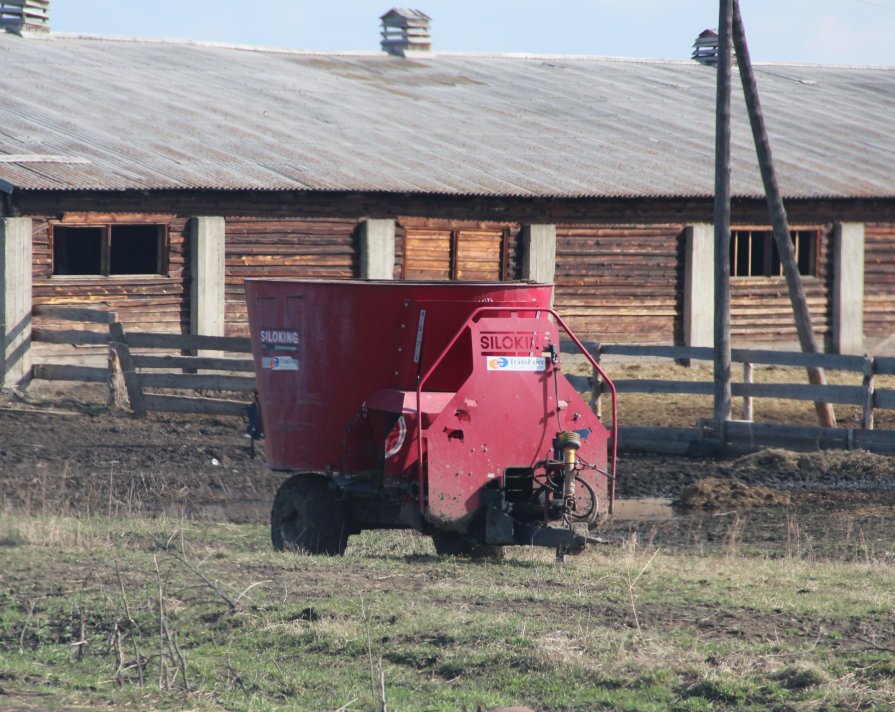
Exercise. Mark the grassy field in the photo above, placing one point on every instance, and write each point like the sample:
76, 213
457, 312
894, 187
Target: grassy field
171, 614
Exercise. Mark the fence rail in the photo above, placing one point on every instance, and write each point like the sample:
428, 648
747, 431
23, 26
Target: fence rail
867, 396
141, 371
180, 371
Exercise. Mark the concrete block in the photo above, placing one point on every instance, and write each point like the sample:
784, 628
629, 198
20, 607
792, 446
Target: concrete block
848, 288
699, 285
539, 253
15, 300
207, 298
377, 249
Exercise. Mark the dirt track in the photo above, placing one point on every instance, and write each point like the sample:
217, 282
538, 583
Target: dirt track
75, 456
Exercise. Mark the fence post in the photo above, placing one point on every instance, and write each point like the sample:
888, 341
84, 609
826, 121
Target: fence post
869, 387
118, 342
748, 370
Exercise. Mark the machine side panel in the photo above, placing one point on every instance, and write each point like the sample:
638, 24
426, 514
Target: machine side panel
505, 415
321, 348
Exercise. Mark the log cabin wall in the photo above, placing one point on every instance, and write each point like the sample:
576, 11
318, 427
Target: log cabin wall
879, 280
760, 307
168, 294
144, 302
621, 285
295, 248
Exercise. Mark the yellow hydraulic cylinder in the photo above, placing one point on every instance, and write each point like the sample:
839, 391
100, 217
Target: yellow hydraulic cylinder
569, 442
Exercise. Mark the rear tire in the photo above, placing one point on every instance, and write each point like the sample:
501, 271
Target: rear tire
307, 518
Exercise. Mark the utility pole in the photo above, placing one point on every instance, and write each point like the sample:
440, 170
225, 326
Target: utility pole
779, 220
722, 391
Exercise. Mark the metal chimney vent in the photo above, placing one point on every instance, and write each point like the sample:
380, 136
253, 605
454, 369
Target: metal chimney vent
406, 32
25, 17
705, 48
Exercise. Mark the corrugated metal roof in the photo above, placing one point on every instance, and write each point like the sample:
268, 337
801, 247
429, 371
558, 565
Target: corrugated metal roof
115, 114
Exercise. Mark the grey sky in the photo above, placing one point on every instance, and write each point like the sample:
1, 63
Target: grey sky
821, 31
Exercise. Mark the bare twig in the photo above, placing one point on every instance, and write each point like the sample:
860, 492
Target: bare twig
257, 583
177, 655
237, 677
213, 586
382, 705
25, 628
163, 681
632, 583
119, 655
366, 620
135, 631
81, 643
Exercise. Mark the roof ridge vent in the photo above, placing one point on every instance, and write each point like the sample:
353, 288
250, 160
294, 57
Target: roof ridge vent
705, 48
25, 17
405, 33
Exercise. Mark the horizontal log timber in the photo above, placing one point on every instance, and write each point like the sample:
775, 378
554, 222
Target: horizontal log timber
188, 342
275, 233
68, 336
757, 356
884, 365
63, 313
798, 358
184, 404
308, 254
201, 363
650, 385
190, 381
585, 287
615, 311
847, 395
59, 372
674, 352
87, 217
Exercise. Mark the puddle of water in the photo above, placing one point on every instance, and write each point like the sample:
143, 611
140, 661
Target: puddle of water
641, 509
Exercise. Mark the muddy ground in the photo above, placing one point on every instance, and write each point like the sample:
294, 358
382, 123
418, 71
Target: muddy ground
65, 451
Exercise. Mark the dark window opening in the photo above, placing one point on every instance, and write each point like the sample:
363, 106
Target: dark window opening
135, 249
108, 250
753, 253
77, 250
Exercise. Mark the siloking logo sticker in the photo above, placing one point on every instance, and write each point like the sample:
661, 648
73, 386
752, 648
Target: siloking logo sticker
516, 363
279, 339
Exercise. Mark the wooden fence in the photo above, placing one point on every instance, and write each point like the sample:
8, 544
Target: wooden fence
130, 364
744, 432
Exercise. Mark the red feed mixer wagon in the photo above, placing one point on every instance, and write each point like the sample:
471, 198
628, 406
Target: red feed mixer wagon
438, 407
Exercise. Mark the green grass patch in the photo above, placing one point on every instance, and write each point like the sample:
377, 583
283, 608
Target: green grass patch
172, 614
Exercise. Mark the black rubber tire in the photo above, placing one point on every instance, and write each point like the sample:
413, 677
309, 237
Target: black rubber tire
307, 518
456, 544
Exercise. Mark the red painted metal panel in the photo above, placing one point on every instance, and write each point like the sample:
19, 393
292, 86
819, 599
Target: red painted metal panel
322, 348
505, 415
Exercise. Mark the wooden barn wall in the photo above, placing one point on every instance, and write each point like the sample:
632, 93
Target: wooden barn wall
621, 285
879, 280
294, 248
761, 311
167, 297
143, 302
